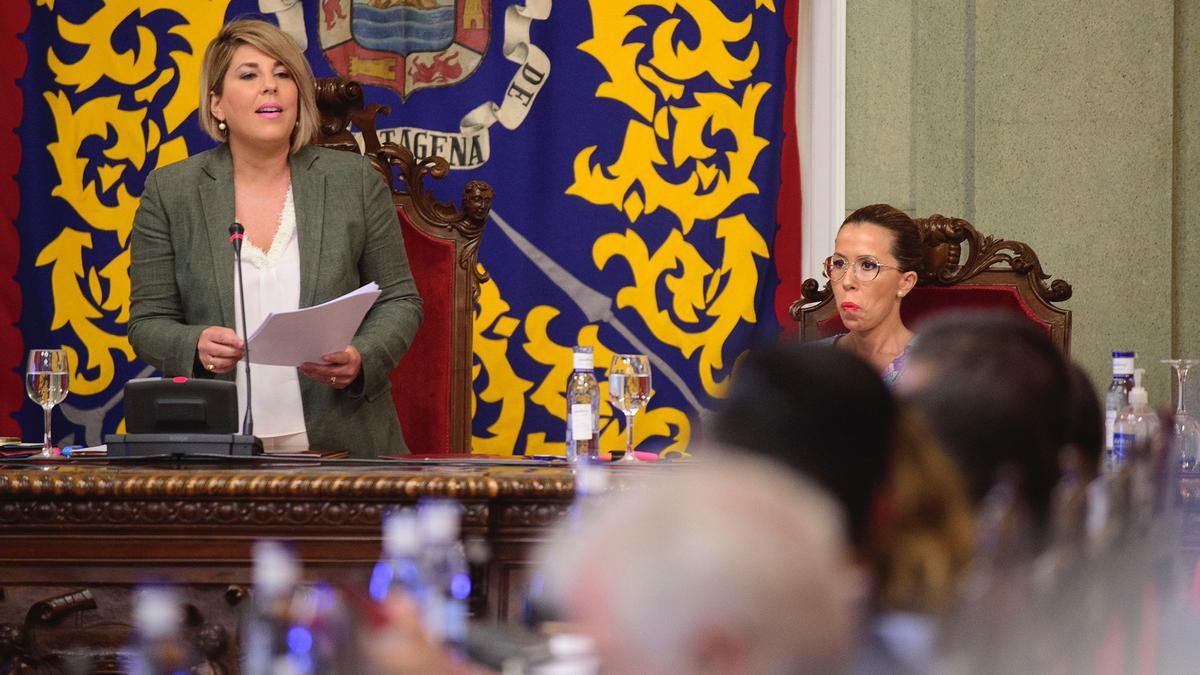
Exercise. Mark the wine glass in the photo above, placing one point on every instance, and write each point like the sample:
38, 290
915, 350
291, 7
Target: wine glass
46, 384
1187, 432
629, 391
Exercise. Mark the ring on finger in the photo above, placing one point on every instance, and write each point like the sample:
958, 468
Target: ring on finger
333, 380
211, 366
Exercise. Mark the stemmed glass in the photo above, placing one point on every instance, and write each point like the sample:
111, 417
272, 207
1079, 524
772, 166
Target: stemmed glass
629, 391
1187, 431
46, 384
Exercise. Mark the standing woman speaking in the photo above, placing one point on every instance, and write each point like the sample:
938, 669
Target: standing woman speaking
318, 223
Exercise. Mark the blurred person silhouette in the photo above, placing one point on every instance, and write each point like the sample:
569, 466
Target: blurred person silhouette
995, 391
1085, 422
735, 565
998, 395
828, 415
396, 643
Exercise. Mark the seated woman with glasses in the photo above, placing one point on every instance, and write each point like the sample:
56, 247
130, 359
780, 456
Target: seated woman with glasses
877, 255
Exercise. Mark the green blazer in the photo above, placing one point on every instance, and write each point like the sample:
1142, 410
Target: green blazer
182, 265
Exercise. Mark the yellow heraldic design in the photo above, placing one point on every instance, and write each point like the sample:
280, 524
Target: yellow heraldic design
75, 308
493, 330
672, 120
669, 423
201, 21
724, 295
612, 23
95, 118
131, 129
704, 194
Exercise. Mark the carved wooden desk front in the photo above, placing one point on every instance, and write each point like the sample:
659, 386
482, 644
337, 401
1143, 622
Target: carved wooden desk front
75, 538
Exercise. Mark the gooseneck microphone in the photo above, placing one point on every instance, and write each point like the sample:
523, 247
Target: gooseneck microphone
236, 234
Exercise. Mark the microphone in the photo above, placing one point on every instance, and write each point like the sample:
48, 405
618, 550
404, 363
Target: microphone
236, 234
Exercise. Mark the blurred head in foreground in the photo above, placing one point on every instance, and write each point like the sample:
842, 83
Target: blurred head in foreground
821, 411
827, 414
730, 566
995, 390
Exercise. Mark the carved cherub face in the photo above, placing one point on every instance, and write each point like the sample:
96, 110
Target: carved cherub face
477, 199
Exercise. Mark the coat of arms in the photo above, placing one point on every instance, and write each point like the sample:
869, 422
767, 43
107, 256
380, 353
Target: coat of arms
405, 45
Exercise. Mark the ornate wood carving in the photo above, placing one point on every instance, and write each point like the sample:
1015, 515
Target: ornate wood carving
957, 254
533, 515
48, 641
342, 105
76, 539
254, 500
54, 609
944, 238
282, 485
406, 174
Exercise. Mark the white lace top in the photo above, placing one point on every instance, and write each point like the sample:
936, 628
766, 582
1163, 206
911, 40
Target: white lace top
272, 281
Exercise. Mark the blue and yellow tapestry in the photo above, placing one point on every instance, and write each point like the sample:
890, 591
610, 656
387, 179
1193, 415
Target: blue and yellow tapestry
642, 154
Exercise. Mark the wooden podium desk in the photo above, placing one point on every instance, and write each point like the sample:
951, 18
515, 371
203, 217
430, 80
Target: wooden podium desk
76, 537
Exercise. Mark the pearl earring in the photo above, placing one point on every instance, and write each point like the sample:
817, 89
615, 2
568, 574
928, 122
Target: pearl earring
899, 294
222, 126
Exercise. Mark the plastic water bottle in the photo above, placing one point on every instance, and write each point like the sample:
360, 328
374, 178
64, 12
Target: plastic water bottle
591, 482
583, 407
272, 646
444, 572
398, 571
158, 621
1117, 396
1136, 425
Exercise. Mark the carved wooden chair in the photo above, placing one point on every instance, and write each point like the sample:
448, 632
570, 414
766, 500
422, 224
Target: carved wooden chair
432, 384
963, 269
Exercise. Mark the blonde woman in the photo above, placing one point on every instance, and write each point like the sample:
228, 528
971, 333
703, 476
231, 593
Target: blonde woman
318, 223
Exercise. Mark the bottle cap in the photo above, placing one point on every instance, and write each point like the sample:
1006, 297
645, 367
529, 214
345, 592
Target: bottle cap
590, 479
582, 359
1123, 363
275, 568
156, 612
439, 521
564, 645
400, 535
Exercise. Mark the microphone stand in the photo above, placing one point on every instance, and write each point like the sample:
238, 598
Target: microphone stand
202, 445
236, 234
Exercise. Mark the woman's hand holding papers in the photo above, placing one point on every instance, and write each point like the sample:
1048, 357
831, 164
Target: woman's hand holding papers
219, 349
338, 369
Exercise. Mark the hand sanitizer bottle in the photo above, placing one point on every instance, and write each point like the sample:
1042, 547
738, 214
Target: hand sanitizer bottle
1136, 425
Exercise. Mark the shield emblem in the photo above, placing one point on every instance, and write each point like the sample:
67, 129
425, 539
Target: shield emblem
405, 45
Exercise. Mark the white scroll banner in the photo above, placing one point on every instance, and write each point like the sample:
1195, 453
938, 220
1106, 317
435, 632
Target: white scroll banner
470, 147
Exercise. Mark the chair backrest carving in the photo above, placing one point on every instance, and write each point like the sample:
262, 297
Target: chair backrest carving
962, 268
432, 384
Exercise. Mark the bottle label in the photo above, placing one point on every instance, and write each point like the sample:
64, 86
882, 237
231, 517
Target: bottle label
1122, 365
581, 421
1122, 447
1110, 420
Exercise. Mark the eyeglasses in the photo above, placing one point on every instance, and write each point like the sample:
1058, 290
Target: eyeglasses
866, 268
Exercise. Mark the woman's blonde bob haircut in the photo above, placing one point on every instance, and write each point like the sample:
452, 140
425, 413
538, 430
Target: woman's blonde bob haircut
273, 42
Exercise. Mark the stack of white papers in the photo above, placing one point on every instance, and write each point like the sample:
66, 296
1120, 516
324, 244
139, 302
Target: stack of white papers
305, 335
